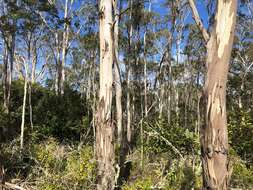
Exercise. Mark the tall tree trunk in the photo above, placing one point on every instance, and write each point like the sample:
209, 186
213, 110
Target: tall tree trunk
30, 78
145, 75
176, 99
89, 78
128, 75
214, 135
145, 68
34, 62
64, 47
30, 104
5, 80
23, 108
104, 125
170, 86
58, 68
94, 99
11, 62
8, 69
128, 104
118, 87
161, 98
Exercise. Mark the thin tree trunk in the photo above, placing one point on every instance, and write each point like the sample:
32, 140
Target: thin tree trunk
176, 103
11, 62
23, 109
30, 90
169, 106
145, 70
170, 85
94, 100
29, 77
104, 126
64, 48
30, 104
58, 67
34, 63
88, 90
240, 94
161, 98
5, 80
128, 71
117, 75
128, 108
8, 69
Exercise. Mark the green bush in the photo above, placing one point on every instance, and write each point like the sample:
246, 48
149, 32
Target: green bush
80, 166
64, 117
63, 167
163, 172
241, 173
242, 177
240, 125
51, 186
139, 184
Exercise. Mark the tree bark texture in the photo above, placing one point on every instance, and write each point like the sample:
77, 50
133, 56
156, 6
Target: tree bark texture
128, 76
104, 125
214, 135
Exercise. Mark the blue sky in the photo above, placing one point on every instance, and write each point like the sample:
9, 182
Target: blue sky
159, 6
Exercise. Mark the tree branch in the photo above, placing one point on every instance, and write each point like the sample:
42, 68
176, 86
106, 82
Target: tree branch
12, 186
198, 20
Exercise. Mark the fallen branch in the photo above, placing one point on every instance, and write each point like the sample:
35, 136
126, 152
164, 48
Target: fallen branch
12, 186
157, 135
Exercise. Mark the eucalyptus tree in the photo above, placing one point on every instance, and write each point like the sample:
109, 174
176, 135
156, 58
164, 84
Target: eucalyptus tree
214, 135
104, 126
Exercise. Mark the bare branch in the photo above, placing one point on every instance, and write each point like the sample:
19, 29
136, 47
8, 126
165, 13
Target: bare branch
159, 136
198, 20
13, 186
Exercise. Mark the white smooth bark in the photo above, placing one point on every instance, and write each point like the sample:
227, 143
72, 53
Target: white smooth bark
128, 108
23, 107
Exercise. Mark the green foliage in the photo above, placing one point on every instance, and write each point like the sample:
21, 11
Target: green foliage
54, 166
60, 116
49, 155
159, 135
182, 177
80, 166
242, 175
163, 172
63, 117
240, 133
50, 186
140, 184
63, 167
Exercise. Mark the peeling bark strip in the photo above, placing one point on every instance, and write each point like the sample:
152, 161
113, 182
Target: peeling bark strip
214, 135
104, 126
